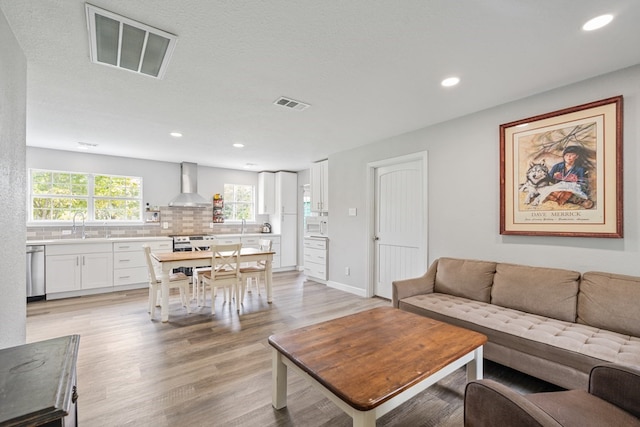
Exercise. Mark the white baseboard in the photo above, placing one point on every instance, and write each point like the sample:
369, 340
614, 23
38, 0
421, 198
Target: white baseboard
347, 288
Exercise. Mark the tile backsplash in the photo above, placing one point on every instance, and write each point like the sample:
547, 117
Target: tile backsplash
179, 221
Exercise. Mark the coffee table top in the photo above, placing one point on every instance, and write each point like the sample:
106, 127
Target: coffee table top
369, 357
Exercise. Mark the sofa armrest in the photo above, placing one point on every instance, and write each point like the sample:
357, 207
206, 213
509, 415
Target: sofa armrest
618, 385
489, 404
415, 286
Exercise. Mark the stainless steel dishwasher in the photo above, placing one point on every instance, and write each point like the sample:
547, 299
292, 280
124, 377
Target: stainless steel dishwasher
35, 273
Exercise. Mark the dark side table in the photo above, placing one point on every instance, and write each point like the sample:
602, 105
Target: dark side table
38, 383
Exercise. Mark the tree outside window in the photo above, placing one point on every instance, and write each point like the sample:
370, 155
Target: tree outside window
239, 202
59, 195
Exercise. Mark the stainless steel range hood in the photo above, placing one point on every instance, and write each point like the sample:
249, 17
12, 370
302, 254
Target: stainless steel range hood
189, 196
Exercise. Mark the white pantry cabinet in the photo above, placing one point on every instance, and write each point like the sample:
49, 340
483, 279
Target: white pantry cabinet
319, 183
78, 267
266, 193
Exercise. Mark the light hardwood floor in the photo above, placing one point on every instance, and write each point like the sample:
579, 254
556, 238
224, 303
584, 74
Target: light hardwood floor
203, 370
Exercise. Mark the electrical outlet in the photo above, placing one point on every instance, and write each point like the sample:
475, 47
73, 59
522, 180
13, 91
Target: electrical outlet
66, 232
165, 225
210, 225
347, 271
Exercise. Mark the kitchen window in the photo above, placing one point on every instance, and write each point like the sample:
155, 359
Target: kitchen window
59, 195
239, 202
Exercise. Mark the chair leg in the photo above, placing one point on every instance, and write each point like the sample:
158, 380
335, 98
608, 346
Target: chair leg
152, 300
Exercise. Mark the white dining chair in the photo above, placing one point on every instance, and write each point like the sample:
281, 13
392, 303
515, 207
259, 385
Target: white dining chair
198, 245
224, 273
257, 270
176, 280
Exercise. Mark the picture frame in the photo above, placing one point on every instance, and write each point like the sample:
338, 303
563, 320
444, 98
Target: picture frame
561, 172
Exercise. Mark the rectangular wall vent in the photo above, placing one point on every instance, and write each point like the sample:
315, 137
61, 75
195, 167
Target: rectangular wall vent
123, 43
291, 103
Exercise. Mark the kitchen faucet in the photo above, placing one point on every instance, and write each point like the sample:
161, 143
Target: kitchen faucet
73, 228
244, 222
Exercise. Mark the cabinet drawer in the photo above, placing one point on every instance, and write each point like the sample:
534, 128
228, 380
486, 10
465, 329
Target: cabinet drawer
250, 241
227, 240
128, 276
78, 249
129, 259
315, 255
128, 246
315, 243
160, 246
315, 270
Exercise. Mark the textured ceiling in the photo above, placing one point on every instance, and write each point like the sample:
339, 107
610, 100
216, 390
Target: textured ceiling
369, 68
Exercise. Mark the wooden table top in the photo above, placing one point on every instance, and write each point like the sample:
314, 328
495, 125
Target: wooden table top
197, 255
369, 357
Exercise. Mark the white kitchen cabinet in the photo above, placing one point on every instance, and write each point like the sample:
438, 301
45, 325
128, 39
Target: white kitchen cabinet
266, 193
315, 258
319, 184
79, 267
286, 184
285, 220
129, 263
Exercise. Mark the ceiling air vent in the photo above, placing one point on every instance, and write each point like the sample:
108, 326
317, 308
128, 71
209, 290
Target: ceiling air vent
123, 43
291, 103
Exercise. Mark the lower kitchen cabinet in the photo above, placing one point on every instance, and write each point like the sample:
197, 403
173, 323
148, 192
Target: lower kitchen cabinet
78, 267
315, 258
254, 242
129, 263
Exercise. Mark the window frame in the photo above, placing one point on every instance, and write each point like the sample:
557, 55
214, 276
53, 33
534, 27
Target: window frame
91, 197
252, 204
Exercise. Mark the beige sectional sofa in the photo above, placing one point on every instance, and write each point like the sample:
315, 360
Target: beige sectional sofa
551, 323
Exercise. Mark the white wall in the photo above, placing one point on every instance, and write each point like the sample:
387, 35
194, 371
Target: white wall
463, 190
161, 180
13, 96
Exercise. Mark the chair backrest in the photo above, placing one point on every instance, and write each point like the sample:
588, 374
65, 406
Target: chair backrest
152, 270
200, 245
265, 246
225, 261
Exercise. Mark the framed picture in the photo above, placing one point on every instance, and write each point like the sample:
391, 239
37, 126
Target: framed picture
561, 172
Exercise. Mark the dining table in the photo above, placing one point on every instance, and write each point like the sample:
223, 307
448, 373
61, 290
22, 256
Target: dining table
171, 260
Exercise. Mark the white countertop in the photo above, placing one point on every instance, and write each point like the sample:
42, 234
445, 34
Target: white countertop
67, 241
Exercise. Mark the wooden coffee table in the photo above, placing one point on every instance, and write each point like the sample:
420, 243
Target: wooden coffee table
371, 362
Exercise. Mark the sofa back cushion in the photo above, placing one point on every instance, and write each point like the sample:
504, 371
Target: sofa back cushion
465, 278
610, 301
548, 292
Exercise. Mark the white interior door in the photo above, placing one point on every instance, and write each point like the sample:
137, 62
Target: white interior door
400, 224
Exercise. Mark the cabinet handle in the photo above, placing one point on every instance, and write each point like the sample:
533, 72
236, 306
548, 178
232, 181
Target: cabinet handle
77, 261
124, 277
83, 260
124, 260
124, 247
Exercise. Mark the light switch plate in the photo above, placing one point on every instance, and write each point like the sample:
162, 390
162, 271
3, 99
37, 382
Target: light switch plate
353, 211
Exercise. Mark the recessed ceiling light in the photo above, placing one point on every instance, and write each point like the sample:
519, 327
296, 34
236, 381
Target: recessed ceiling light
450, 81
250, 166
86, 145
597, 22
176, 134
238, 145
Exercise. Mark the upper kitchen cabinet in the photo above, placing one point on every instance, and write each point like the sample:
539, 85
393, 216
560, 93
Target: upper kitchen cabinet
266, 193
286, 184
320, 186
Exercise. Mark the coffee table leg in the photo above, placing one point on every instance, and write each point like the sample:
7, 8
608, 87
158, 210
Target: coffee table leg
474, 368
279, 381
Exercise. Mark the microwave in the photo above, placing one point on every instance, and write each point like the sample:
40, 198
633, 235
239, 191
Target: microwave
316, 226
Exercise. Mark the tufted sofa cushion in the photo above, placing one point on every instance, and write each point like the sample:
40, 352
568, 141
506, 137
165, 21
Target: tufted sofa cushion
567, 339
610, 301
550, 292
465, 278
